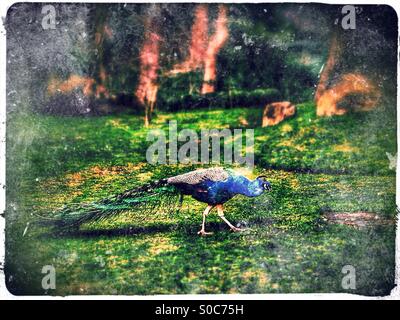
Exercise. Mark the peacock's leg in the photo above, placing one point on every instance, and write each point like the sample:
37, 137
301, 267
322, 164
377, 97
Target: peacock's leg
221, 215
205, 213
180, 203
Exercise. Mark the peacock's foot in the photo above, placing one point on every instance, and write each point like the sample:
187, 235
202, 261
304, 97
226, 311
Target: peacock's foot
204, 233
234, 229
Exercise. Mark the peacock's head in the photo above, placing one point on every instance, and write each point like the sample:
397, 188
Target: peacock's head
264, 183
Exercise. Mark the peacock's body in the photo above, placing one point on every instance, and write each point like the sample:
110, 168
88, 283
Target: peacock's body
213, 186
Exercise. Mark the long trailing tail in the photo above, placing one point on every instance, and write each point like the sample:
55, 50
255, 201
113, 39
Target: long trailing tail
146, 199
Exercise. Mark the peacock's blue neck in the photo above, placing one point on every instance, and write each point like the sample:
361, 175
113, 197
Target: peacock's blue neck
246, 187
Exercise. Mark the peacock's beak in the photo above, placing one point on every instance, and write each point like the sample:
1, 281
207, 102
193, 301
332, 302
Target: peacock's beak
265, 184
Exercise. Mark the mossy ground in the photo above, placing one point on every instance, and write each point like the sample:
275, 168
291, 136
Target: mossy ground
315, 165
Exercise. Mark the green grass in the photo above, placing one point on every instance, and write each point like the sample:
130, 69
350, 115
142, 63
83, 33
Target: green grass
315, 165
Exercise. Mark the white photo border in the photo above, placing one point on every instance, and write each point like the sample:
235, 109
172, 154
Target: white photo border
6, 295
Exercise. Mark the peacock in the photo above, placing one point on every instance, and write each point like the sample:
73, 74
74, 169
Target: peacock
213, 186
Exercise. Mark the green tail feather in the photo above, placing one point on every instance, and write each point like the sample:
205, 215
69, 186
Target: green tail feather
146, 199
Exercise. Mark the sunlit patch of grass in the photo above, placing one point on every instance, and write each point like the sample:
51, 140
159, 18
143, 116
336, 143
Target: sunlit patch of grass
286, 128
345, 147
161, 244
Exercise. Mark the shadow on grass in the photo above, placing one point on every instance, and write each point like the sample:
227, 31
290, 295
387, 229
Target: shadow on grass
188, 229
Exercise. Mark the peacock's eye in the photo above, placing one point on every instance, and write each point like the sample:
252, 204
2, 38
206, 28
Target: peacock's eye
266, 186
